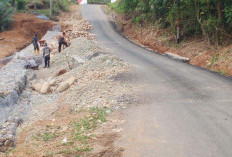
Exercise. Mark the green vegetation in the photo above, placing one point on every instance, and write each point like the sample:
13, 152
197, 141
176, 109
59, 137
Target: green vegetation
98, 1
117, 7
5, 14
86, 125
83, 149
47, 136
64, 151
214, 58
209, 19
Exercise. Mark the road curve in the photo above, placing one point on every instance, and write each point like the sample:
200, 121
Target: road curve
189, 112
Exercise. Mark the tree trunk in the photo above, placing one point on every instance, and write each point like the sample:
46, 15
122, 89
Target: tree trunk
13, 3
35, 8
50, 8
219, 9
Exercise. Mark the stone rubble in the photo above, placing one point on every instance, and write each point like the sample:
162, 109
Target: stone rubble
87, 85
14, 104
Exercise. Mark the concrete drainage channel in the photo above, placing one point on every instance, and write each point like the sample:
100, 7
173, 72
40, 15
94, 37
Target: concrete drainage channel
13, 81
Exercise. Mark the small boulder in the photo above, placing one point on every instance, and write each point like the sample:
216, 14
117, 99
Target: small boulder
9, 143
52, 88
63, 86
71, 80
38, 87
45, 88
52, 82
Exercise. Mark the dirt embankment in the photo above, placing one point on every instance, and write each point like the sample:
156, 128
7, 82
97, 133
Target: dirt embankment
21, 33
201, 54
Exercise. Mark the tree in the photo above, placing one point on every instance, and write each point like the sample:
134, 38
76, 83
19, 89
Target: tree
5, 14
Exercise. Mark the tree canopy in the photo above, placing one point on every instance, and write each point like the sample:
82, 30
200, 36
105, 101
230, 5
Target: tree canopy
5, 14
211, 19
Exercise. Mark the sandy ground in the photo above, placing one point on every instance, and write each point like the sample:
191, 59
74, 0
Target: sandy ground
200, 53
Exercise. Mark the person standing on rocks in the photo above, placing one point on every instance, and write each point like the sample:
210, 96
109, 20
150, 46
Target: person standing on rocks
46, 55
62, 41
36, 44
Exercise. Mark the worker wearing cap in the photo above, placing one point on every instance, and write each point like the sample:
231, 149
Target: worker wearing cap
36, 44
46, 55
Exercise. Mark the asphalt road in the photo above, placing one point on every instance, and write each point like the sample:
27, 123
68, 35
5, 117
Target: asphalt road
189, 112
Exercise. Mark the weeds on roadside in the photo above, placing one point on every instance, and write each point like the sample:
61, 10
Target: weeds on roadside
64, 151
214, 59
84, 149
87, 123
47, 136
49, 154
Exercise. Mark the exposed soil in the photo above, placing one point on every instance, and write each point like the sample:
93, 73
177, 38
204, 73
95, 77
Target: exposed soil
201, 54
21, 33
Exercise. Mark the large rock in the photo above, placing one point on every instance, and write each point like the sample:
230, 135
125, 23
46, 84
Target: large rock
45, 88
71, 80
37, 86
51, 81
63, 86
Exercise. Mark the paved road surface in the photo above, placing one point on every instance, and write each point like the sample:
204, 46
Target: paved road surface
190, 110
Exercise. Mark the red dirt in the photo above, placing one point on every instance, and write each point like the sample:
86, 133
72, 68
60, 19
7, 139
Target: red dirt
21, 33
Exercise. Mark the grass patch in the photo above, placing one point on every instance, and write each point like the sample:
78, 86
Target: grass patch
64, 151
49, 154
117, 7
214, 59
223, 72
45, 12
47, 136
86, 124
84, 149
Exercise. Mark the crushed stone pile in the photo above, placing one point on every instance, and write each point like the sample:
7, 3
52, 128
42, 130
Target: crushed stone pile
76, 32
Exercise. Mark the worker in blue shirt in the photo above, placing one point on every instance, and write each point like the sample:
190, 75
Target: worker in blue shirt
36, 44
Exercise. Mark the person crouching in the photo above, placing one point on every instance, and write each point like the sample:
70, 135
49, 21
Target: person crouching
46, 55
30, 64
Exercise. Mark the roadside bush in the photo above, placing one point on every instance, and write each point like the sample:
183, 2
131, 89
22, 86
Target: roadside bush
209, 19
21, 4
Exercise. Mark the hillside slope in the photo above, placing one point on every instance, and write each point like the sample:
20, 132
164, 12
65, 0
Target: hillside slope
218, 59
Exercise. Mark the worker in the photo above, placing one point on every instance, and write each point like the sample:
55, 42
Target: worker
31, 64
46, 55
62, 41
36, 44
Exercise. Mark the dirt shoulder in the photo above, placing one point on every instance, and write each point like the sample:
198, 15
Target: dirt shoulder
200, 54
